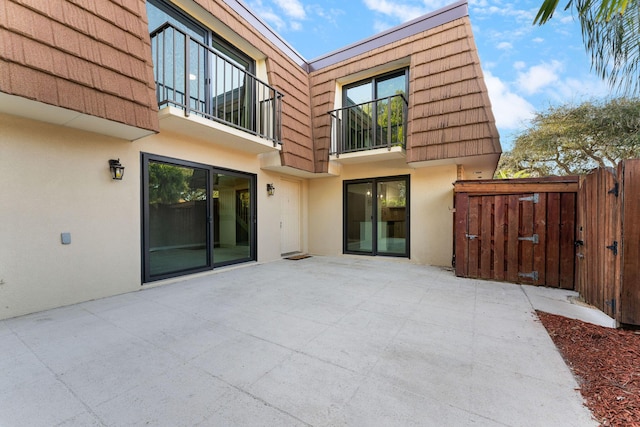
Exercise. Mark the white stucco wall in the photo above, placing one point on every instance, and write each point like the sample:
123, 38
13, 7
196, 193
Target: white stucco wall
56, 179
431, 216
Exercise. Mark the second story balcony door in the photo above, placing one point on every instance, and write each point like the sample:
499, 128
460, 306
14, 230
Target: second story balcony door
199, 72
373, 114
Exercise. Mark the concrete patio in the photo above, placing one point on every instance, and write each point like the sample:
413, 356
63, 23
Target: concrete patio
323, 341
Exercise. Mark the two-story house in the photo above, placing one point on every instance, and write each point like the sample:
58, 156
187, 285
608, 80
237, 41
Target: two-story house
145, 141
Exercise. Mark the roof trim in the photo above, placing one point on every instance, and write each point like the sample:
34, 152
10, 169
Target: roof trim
250, 16
426, 22
423, 23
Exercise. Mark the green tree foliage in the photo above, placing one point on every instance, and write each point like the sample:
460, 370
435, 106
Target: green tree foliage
391, 118
170, 184
611, 34
568, 140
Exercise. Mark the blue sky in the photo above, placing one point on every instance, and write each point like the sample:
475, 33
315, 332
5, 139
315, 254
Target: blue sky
526, 68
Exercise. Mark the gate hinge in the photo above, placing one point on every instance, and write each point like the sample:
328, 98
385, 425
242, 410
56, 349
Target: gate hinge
614, 247
533, 275
615, 190
535, 239
535, 198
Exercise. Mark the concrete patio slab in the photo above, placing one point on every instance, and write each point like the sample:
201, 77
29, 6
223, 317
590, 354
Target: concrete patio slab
322, 341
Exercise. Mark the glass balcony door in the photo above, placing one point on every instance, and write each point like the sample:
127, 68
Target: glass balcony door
374, 112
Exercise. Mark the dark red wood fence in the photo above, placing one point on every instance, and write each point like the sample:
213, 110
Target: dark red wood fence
519, 231
608, 245
563, 232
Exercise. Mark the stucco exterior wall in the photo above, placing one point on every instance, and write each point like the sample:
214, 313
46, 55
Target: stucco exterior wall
431, 212
57, 180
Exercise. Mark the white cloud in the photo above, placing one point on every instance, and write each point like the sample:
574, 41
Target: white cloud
328, 15
272, 18
291, 8
579, 89
484, 9
519, 65
539, 76
396, 10
504, 46
380, 26
538, 40
510, 109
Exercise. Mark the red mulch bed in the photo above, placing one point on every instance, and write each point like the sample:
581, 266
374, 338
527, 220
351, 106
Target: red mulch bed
606, 363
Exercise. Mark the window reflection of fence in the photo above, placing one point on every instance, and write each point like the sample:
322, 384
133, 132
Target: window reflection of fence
192, 76
376, 124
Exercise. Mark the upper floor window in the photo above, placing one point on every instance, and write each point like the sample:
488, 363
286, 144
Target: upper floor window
373, 114
201, 73
160, 12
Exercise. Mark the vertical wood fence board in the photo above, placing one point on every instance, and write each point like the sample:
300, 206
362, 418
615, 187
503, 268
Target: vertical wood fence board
592, 241
473, 227
580, 249
499, 225
526, 246
512, 238
486, 237
567, 239
630, 284
540, 228
553, 240
461, 230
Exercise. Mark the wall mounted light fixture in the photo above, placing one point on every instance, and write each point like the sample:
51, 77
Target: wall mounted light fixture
271, 189
117, 170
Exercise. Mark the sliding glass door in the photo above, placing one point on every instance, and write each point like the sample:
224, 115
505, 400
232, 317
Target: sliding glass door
376, 216
195, 217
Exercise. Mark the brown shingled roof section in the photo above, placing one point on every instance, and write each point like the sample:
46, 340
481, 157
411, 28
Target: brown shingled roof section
87, 56
449, 108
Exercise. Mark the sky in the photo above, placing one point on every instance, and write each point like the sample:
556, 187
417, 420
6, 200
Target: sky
526, 68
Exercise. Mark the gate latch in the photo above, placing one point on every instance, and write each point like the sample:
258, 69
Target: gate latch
471, 236
614, 247
535, 239
533, 275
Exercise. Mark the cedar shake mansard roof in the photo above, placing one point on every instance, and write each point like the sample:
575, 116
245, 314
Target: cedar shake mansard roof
88, 57
93, 59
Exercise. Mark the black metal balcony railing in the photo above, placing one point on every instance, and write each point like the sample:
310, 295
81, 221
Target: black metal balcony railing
194, 77
380, 123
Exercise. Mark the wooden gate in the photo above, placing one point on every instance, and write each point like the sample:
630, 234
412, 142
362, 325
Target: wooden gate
608, 245
520, 231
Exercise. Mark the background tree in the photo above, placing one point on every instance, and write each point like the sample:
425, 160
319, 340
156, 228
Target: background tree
611, 34
568, 140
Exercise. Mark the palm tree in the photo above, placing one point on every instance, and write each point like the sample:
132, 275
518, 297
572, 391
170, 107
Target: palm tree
611, 33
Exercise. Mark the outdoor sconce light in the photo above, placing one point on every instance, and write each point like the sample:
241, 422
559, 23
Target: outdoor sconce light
271, 189
117, 170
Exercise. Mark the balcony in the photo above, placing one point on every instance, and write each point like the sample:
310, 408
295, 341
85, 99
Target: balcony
193, 78
371, 131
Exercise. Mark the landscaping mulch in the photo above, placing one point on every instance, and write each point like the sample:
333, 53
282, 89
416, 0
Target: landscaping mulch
606, 363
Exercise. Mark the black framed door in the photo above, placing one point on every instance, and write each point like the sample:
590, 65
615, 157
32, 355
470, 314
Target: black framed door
376, 216
192, 218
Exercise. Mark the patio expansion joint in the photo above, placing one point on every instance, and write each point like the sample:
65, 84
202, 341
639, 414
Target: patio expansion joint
253, 396
59, 379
